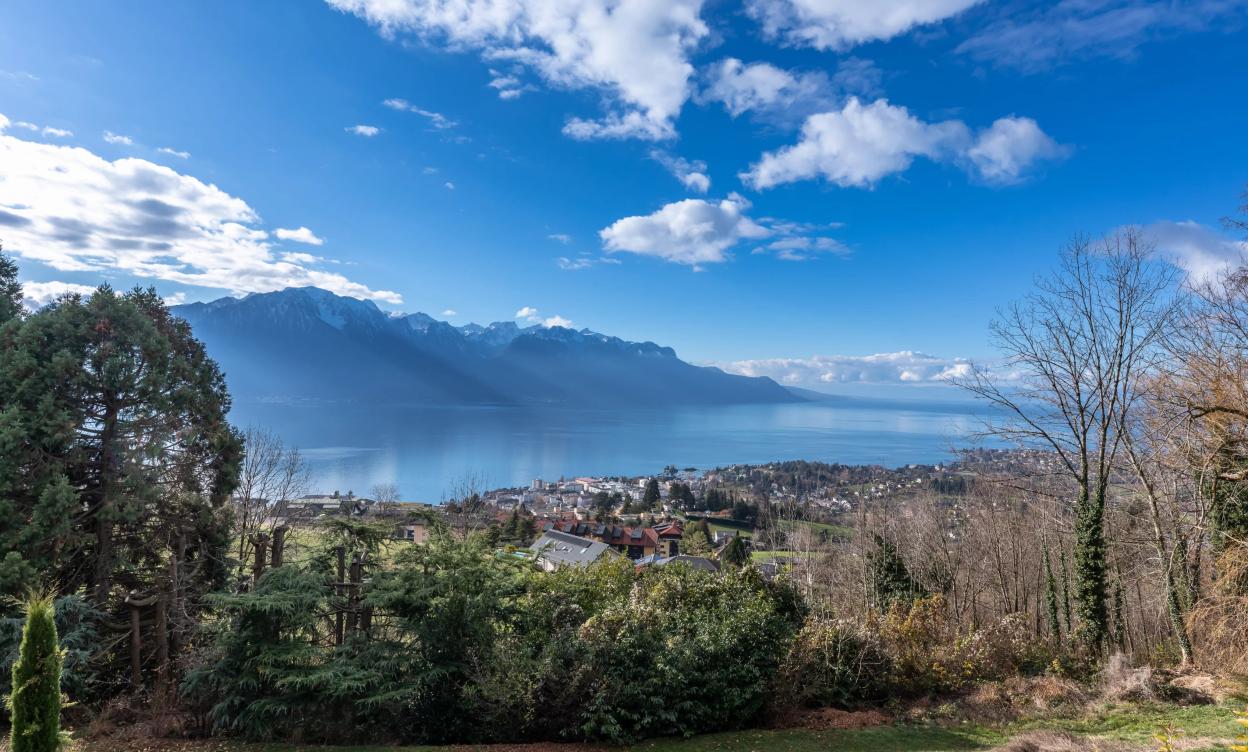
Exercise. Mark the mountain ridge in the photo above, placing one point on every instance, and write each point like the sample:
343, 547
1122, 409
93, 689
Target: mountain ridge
308, 343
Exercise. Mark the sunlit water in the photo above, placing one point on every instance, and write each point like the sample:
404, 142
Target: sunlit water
429, 451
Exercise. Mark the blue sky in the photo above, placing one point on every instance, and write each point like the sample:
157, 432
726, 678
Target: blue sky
787, 186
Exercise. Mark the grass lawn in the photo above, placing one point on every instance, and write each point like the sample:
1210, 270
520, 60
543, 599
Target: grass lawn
833, 531
1206, 727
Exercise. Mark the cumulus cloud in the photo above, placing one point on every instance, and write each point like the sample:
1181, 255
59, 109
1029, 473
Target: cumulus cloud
1202, 253
557, 321
299, 235
1003, 152
863, 143
174, 152
841, 24
73, 210
695, 232
690, 173
1037, 39
117, 138
904, 367
367, 131
635, 53
437, 120
692, 232
39, 294
530, 315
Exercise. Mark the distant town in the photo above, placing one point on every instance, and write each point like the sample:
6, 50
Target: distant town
677, 514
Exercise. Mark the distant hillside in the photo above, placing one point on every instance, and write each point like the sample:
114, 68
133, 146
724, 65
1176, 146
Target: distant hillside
307, 343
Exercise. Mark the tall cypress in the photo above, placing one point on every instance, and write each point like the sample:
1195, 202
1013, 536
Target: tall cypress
36, 699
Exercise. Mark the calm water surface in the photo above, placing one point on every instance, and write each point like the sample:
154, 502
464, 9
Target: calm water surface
427, 451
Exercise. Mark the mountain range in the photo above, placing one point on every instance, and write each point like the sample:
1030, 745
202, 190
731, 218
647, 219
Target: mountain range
309, 344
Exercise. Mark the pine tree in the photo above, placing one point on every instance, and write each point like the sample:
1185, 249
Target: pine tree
1066, 590
10, 289
36, 700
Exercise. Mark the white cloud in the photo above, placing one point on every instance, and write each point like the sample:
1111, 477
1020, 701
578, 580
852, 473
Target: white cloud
73, 210
803, 248
24, 124
299, 235
39, 294
177, 298
367, 131
436, 119
47, 130
557, 321
430, 170
450, 313
1202, 253
174, 152
508, 85
584, 261
449, 185
905, 367
560, 237
692, 232
760, 86
1003, 152
56, 132
695, 232
1035, 40
635, 52
117, 138
841, 24
690, 173
863, 143
527, 312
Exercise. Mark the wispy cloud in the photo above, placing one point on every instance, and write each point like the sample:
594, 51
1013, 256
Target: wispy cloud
1035, 40
367, 131
436, 119
117, 138
174, 152
842, 24
690, 173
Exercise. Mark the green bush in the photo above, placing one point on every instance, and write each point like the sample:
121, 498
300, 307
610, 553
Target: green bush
35, 702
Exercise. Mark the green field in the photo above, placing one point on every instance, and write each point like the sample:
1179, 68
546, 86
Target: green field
1124, 727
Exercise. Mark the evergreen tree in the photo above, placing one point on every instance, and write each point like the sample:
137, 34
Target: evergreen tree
1050, 597
652, 496
36, 699
890, 578
10, 289
1066, 612
735, 553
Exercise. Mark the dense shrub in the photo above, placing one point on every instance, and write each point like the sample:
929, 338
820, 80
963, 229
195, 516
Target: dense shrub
830, 663
468, 645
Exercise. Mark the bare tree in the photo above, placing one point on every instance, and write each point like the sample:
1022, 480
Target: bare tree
271, 475
386, 495
1076, 351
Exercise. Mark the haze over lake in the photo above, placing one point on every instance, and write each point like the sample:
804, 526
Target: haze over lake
427, 451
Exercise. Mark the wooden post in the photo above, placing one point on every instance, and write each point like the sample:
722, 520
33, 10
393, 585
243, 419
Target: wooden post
353, 594
279, 545
163, 669
261, 542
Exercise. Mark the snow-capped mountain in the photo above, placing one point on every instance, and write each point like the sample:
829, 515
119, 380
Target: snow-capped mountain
307, 343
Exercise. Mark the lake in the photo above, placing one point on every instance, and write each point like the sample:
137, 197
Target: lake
430, 451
